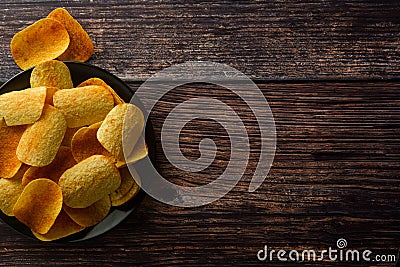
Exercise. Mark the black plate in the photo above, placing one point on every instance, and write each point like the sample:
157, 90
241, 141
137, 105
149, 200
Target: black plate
79, 73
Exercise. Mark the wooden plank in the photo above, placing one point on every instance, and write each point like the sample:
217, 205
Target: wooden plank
274, 40
335, 175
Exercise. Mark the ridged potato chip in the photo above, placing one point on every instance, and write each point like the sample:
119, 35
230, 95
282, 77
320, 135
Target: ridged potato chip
10, 190
52, 73
40, 142
84, 144
85, 105
110, 131
89, 181
39, 205
44, 40
62, 227
9, 162
80, 47
62, 162
100, 82
119, 196
22, 107
91, 215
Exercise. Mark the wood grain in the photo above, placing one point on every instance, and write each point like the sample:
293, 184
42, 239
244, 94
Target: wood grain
274, 40
335, 175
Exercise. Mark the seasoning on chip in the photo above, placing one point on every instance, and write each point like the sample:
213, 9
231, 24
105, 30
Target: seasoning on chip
62, 227
39, 205
22, 107
100, 82
51, 73
91, 215
110, 131
10, 190
9, 140
85, 105
40, 142
44, 40
62, 162
89, 181
80, 46
127, 183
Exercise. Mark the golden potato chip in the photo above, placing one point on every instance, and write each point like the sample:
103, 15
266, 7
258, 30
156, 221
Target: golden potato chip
83, 106
39, 205
128, 196
84, 144
50, 91
110, 131
100, 82
80, 47
10, 190
127, 182
9, 139
51, 73
40, 142
140, 151
91, 215
69, 134
22, 107
89, 181
44, 40
62, 162
62, 227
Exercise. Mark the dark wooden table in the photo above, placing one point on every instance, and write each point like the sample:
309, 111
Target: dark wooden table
331, 73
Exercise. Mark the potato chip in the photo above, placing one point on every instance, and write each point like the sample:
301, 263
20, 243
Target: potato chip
128, 196
127, 182
89, 181
140, 151
2, 122
80, 47
84, 144
44, 40
10, 190
69, 134
39, 205
62, 227
100, 82
51, 73
110, 131
62, 162
9, 139
22, 107
91, 215
84, 106
50, 91
40, 142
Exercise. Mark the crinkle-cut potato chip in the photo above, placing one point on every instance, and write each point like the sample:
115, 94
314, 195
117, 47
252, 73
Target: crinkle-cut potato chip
80, 47
63, 226
40, 142
127, 182
52, 73
85, 105
91, 215
10, 190
22, 107
84, 144
140, 151
9, 140
50, 91
69, 134
42, 41
100, 82
62, 162
89, 181
39, 205
110, 132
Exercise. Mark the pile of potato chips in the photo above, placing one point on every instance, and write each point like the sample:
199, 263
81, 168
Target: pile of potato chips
62, 165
